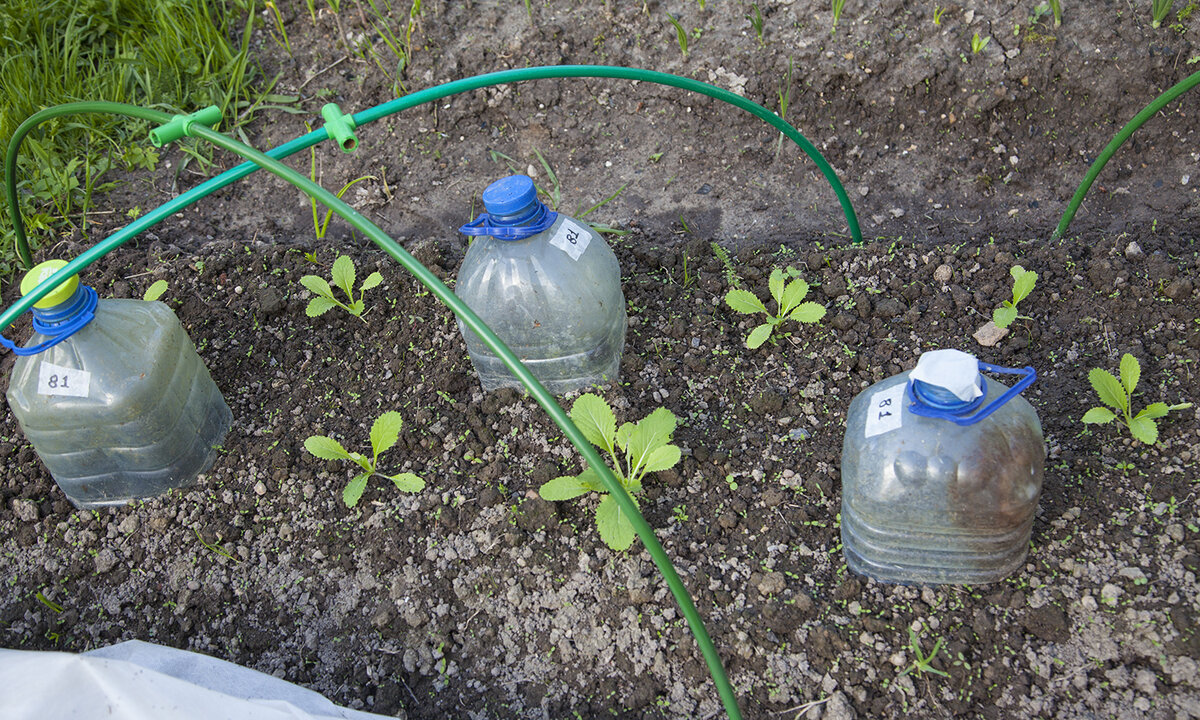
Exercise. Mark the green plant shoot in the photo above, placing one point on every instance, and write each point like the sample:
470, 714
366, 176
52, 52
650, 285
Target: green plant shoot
836, 6
1023, 282
680, 35
1118, 395
1159, 10
343, 277
922, 663
789, 297
321, 226
756, 22
385, 431
1056, 8
979, 43
155, 291
646, 448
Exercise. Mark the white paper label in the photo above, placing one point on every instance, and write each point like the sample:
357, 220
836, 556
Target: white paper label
58, 380
884, 413
571, 238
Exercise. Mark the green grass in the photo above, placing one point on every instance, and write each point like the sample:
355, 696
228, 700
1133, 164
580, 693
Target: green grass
173, 55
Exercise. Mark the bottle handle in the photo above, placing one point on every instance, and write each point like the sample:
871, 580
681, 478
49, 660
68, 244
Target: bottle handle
57, 332
1027, 373
482, 225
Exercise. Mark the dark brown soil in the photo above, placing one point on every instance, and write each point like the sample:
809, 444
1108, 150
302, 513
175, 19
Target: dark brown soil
475, 598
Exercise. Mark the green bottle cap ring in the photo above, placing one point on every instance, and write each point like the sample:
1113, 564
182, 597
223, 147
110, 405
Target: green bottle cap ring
40, 273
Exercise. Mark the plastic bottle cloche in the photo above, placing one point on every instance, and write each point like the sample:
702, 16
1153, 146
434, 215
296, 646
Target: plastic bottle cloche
112, 395
548, 285
941, 473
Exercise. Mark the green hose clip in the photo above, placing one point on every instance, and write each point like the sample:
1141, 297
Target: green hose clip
340, 127
181, 125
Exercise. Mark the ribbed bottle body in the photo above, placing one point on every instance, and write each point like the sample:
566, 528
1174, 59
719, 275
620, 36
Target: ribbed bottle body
925, 500
554, 298
124, 409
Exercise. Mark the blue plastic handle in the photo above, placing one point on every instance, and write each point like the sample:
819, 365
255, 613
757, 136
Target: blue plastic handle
80, 315
482, 225
917, 407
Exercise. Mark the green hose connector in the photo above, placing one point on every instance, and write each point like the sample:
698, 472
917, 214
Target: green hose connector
340, 127
181, 125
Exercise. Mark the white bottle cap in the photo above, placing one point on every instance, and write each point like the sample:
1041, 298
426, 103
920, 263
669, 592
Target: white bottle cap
952, 370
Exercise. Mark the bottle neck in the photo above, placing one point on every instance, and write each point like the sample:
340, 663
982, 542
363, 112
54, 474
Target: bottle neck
941, 400
531, 214
65, 312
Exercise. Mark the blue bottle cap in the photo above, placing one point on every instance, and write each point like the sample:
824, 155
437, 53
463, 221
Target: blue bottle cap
509, 196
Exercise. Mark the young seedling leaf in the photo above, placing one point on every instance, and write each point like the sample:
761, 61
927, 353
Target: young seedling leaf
326, 448
796, 291
316, 285
318, 306
615, 529
758, 336
372, 280
1099, 416
1002, 317
385, 431
1131, 372
591, 479
1023, 283
651, 433
155, 291
343, 274
407, 482
1110, 390
1155, 410
566, 487
662, 458
354, 490
595, 420
809, 312
623, 434
1144, 429
775, 283
744, 301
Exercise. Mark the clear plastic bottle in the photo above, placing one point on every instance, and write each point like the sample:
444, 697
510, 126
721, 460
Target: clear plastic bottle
941, 473
122, 408
548, 286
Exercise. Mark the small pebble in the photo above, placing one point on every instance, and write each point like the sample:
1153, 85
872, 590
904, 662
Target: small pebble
988, 334
106, 560
260, 488
943, 273
1133, 250
25, 510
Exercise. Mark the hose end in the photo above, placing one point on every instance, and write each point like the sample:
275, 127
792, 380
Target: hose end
180, 125
340, 127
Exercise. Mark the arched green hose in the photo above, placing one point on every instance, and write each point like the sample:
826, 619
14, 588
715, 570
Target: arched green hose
1138, 120
418, 98
494, 343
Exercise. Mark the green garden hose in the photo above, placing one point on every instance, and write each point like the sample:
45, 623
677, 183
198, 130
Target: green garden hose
497, 346
1138, 120
394, 106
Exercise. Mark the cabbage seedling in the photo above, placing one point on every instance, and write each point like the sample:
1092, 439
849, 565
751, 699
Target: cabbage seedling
646, 448
1023, 282
1118, 394
385, 431
343, 277
789, 297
